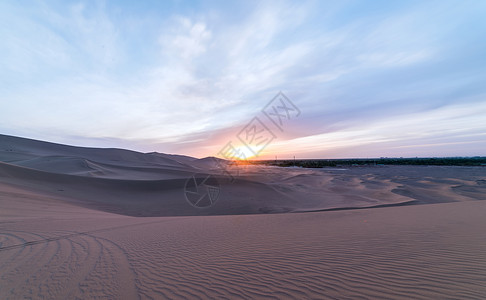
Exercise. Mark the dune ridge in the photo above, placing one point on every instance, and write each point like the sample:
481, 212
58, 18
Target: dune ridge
152, 184
78, 223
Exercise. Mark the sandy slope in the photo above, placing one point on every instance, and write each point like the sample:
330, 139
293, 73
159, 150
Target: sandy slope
153, 184
110, 223
50, 249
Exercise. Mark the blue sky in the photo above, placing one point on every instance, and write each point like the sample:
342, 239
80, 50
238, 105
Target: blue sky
371, 78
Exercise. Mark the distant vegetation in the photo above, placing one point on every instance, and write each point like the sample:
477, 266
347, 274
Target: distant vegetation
320, 163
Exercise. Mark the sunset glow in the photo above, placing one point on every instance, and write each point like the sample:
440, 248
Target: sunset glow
243, 149
381, 79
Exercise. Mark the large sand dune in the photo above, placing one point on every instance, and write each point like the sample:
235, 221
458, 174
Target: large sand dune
110, 223
152, 184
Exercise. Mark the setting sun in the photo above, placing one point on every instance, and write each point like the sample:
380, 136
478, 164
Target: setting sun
200, 149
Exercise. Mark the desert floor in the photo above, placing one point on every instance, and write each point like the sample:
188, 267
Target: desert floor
81, 223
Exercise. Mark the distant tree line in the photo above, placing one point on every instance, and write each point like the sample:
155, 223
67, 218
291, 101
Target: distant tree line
321, 163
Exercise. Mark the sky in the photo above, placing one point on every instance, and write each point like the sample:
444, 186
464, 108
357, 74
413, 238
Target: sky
354, 78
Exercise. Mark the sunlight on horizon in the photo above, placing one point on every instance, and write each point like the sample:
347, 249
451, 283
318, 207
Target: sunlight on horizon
370, 80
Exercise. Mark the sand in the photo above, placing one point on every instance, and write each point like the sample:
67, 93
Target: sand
110, 223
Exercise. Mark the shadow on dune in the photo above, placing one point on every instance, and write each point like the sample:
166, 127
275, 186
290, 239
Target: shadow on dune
154, 184
148, 198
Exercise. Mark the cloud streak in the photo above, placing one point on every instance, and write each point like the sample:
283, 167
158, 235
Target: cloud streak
174, 79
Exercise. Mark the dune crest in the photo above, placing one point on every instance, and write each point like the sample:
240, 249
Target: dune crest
111, 223
153, 184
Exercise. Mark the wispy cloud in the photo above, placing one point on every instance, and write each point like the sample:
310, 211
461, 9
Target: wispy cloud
173, 79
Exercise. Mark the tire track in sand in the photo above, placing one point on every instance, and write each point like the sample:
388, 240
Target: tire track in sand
72, 266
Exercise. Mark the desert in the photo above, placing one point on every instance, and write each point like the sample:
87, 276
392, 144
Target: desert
89, 223
200, 149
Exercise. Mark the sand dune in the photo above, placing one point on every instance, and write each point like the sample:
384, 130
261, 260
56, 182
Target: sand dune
138, 184
51, 249
152, 184
83, 223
